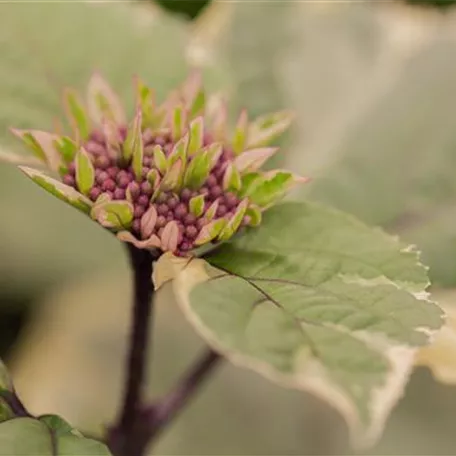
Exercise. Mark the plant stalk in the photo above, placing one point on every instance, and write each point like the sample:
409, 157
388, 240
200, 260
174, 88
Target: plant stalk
139, 425
123, 437
159, 415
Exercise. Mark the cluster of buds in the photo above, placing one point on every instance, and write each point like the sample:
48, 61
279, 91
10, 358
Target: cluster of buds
173, 178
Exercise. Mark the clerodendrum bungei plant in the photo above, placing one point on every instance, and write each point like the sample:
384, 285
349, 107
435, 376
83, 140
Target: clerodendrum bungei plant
305, 295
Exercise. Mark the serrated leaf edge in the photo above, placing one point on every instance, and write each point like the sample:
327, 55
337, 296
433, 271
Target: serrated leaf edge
317, 384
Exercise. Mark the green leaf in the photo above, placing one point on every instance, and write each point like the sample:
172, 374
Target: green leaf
137, 147
160, 161
251, 160
211, 211
172, 179
5, 380
31, 437
58, 425
196, 205
210, 231
250, 181
6, 387
177, 122
153, 176
273, 186
78, 117
234, 222
193, 94
197, 171
58, 189
267, 128
316, 300
66, 147
200, 166
232, 178
198, 105
254, 214
29, 140
43, 145
5, 411
196, 136
214, 151
179, 151
146, 101
113, 139
113, 214
71, 445
85, 172
103, 102
132, 134
240, 133
16, 159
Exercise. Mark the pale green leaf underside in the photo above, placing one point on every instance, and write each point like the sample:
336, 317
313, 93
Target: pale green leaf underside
312, 299
30, 437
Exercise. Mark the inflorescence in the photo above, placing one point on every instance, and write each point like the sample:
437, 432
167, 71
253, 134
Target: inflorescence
173, 178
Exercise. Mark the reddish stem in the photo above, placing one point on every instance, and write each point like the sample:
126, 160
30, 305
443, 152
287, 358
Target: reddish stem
123, 437
139, 425
164, 411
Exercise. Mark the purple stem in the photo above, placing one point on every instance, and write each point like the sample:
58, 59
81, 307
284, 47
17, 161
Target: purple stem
139, 425
123, 437
159, 415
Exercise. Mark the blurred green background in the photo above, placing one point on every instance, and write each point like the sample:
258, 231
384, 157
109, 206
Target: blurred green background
374, 88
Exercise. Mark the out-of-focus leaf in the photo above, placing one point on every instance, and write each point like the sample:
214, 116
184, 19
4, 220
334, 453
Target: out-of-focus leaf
61, 437
37, 63
5, 380
5, 411
312, 299
191, 9
440, 356
58, 425
31, 437
5, 386
432, 3
85, 172
372, 89
56, 188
